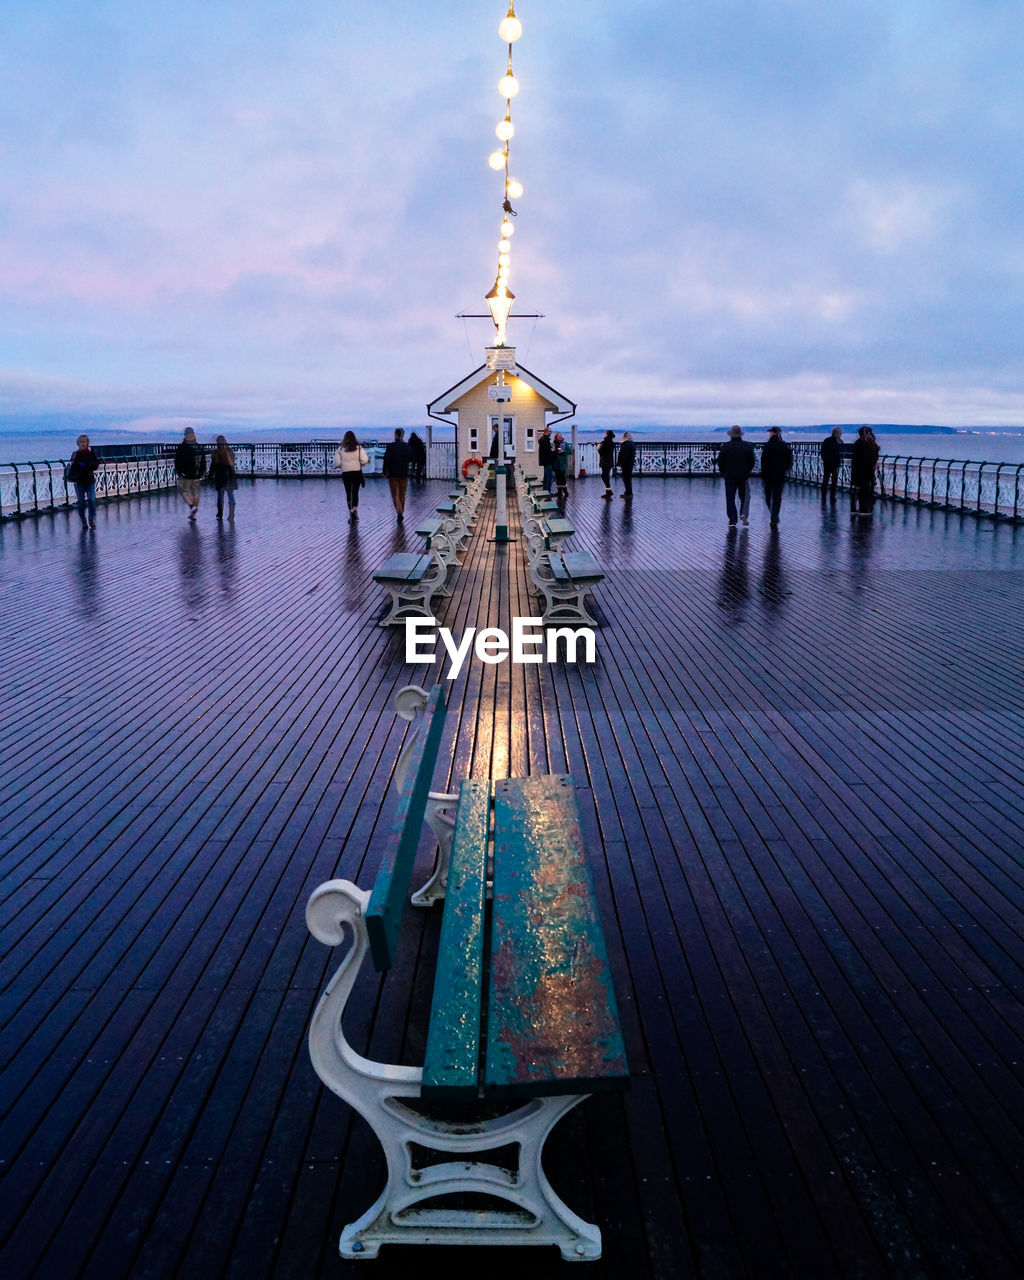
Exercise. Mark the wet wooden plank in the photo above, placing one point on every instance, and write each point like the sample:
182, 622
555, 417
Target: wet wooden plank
451, 1066
552, 1020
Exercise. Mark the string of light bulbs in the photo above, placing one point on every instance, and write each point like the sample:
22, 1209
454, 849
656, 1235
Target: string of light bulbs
500, 299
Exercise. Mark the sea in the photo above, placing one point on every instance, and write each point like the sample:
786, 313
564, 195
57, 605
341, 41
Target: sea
978, 444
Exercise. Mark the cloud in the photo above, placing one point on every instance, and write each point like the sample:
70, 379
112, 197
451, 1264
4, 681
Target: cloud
257, 209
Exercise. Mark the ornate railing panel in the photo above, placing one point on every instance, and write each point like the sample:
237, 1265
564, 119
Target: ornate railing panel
692, 458
987, 488
30, 487
316, 458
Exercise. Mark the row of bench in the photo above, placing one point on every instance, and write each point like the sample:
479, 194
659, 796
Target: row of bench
412, 579
562, 578
522, 1024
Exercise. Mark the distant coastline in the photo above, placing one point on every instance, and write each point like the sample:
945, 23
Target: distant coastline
52, 438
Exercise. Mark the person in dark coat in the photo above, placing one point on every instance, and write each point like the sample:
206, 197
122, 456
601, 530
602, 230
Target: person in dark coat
82, 468
626, 462
419, 458
735, 462
222, 474
560, 462
606, 460
776, 460
397, 459
831, 458
863, 461
190, 467
546, 458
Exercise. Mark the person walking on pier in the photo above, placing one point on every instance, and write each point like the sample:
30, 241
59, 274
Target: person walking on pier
776, 460
82, 469
863, 461
222, 474
560, 463
352, 457
606, 460
627, 461
190, 467
418, 471
397, 457
545, 457
735, 462
831, 456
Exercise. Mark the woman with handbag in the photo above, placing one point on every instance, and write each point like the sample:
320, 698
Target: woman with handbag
352, 457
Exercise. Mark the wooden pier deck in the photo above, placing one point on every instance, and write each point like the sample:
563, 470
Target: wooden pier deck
801, 766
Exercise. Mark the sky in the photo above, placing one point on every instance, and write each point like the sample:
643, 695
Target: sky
271, 212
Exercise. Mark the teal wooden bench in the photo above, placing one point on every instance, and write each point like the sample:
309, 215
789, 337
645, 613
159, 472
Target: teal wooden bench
430, 528
564, 578
545, 533
555, 530
439, 536
411, 580
522, 1024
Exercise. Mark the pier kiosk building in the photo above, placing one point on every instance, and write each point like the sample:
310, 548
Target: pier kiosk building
503, 394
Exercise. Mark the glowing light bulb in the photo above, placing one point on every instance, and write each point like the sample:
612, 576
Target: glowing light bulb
503, 246
514, 189
503, 273
508, 85
505, 129
504, 259
507, 229
496, 159
510, 28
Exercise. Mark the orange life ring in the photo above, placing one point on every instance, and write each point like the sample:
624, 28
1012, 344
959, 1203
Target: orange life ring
466, 465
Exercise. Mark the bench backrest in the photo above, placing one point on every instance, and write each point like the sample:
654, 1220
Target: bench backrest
391, 888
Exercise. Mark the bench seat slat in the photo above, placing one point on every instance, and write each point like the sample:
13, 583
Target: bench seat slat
452, 1062
553, 1025
391, 888
575, 566
403, 566
559, 526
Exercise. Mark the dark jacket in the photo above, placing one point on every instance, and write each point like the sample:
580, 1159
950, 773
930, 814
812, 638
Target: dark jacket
418, 449
82, 467
189, 461
736, 459
776, 458
627, 455
863, 460
545, 454
831, 451
397, 457
606, 452
560, 457
223, 476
